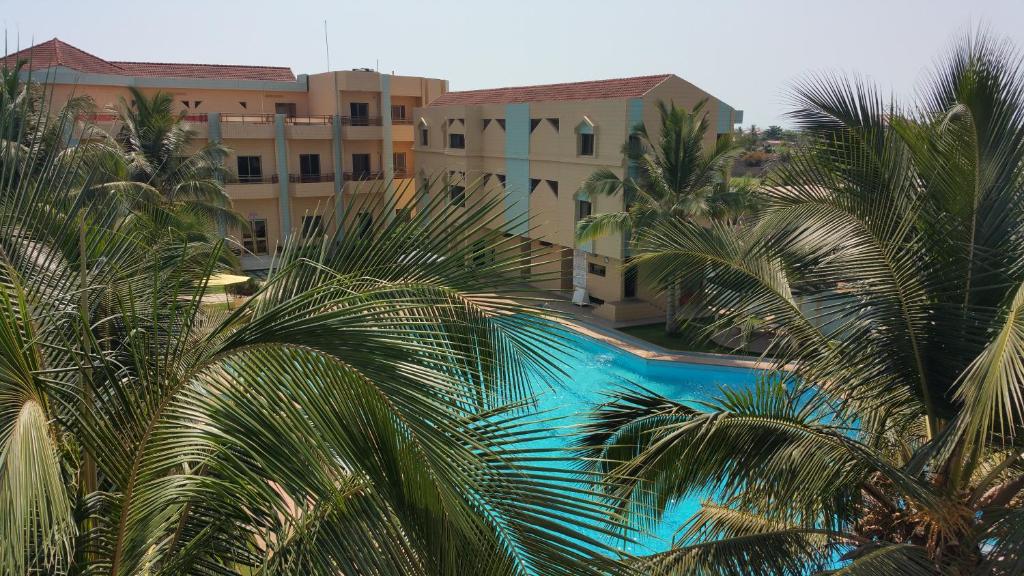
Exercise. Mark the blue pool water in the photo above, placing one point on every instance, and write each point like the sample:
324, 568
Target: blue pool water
594, 368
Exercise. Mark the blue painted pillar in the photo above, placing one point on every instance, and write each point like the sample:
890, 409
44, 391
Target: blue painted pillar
517, 166
284, 204
337, 150
635, 119
213, 136
387, 147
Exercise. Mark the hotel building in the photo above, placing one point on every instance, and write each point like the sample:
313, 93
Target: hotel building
304, 146
301, 146
537, 145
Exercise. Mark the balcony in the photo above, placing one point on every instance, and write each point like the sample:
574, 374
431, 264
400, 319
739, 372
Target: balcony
309, 120
269, 179
247, 125
247, 118
308, 178
312, 185
361, 121
364, 175
398, 121
309, 127
253, 187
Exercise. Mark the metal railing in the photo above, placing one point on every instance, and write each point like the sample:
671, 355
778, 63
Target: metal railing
360, 120
271, 179
307, 178
309, 120
248, 118
401, 173
367, 175
401, 120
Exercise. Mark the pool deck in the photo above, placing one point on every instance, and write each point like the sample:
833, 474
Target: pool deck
584, 321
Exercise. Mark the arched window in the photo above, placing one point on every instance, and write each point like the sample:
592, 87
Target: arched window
424, 130
586, 138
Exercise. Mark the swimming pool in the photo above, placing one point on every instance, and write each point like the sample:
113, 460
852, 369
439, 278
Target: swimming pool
594, 368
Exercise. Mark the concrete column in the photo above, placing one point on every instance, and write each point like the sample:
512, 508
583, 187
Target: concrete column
213, 136
387, 147
517, 166
284, 202
635, 117
337, 151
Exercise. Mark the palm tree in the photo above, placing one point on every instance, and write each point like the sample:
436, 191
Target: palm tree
888, 257
366, 412
155, 147
674, 178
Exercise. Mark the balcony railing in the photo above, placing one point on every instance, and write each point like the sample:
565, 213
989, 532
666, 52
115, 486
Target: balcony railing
401, 173
367, 175
309, 120
307, 178
270, 179
361, 120
248, 118
401, 120
111, 117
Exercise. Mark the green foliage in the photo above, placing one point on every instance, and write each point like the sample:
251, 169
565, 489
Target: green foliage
887, 258
366, 411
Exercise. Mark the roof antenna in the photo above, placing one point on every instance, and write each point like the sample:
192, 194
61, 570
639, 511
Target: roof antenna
327, 46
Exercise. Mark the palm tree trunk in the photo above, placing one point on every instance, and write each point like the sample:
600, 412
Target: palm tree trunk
671, 307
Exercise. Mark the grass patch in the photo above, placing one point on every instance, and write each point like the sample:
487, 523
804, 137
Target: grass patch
690, 337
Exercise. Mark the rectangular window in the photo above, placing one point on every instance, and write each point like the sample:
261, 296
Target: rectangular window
309, 167
250, 169
457, 194
583, 208
360, 166
286, 108
398, 112
398, 162
457, 141
596, 269
359, 113
364, 224
424, 136
311, 225
629, 282
586, 144
255, 239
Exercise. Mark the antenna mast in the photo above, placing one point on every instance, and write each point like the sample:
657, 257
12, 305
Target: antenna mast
327, 46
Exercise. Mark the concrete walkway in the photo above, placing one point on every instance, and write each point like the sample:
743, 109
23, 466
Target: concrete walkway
583, 320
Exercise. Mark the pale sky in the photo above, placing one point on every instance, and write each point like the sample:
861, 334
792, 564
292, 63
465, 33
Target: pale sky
746, 52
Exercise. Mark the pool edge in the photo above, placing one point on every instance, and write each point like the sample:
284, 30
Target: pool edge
648, 351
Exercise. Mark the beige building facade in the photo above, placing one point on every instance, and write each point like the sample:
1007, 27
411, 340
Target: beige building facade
537, 145
306, 147
301, 146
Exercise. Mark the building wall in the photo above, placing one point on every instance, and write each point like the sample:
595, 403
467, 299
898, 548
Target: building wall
552, 156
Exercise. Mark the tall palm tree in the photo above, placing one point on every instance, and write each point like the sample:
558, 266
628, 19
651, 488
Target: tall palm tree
674, 177
366, 412
890, 259
157, 148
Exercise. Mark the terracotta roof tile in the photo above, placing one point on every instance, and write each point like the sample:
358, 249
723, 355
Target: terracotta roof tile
590, 90
215, 71
57, 53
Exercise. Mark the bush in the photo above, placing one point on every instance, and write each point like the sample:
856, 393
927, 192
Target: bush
755, 158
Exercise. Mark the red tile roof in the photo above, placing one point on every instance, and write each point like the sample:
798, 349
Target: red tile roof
215, 71
57, 53
590, 90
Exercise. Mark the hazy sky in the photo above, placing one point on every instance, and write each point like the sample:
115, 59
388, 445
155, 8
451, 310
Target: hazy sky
745, 52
